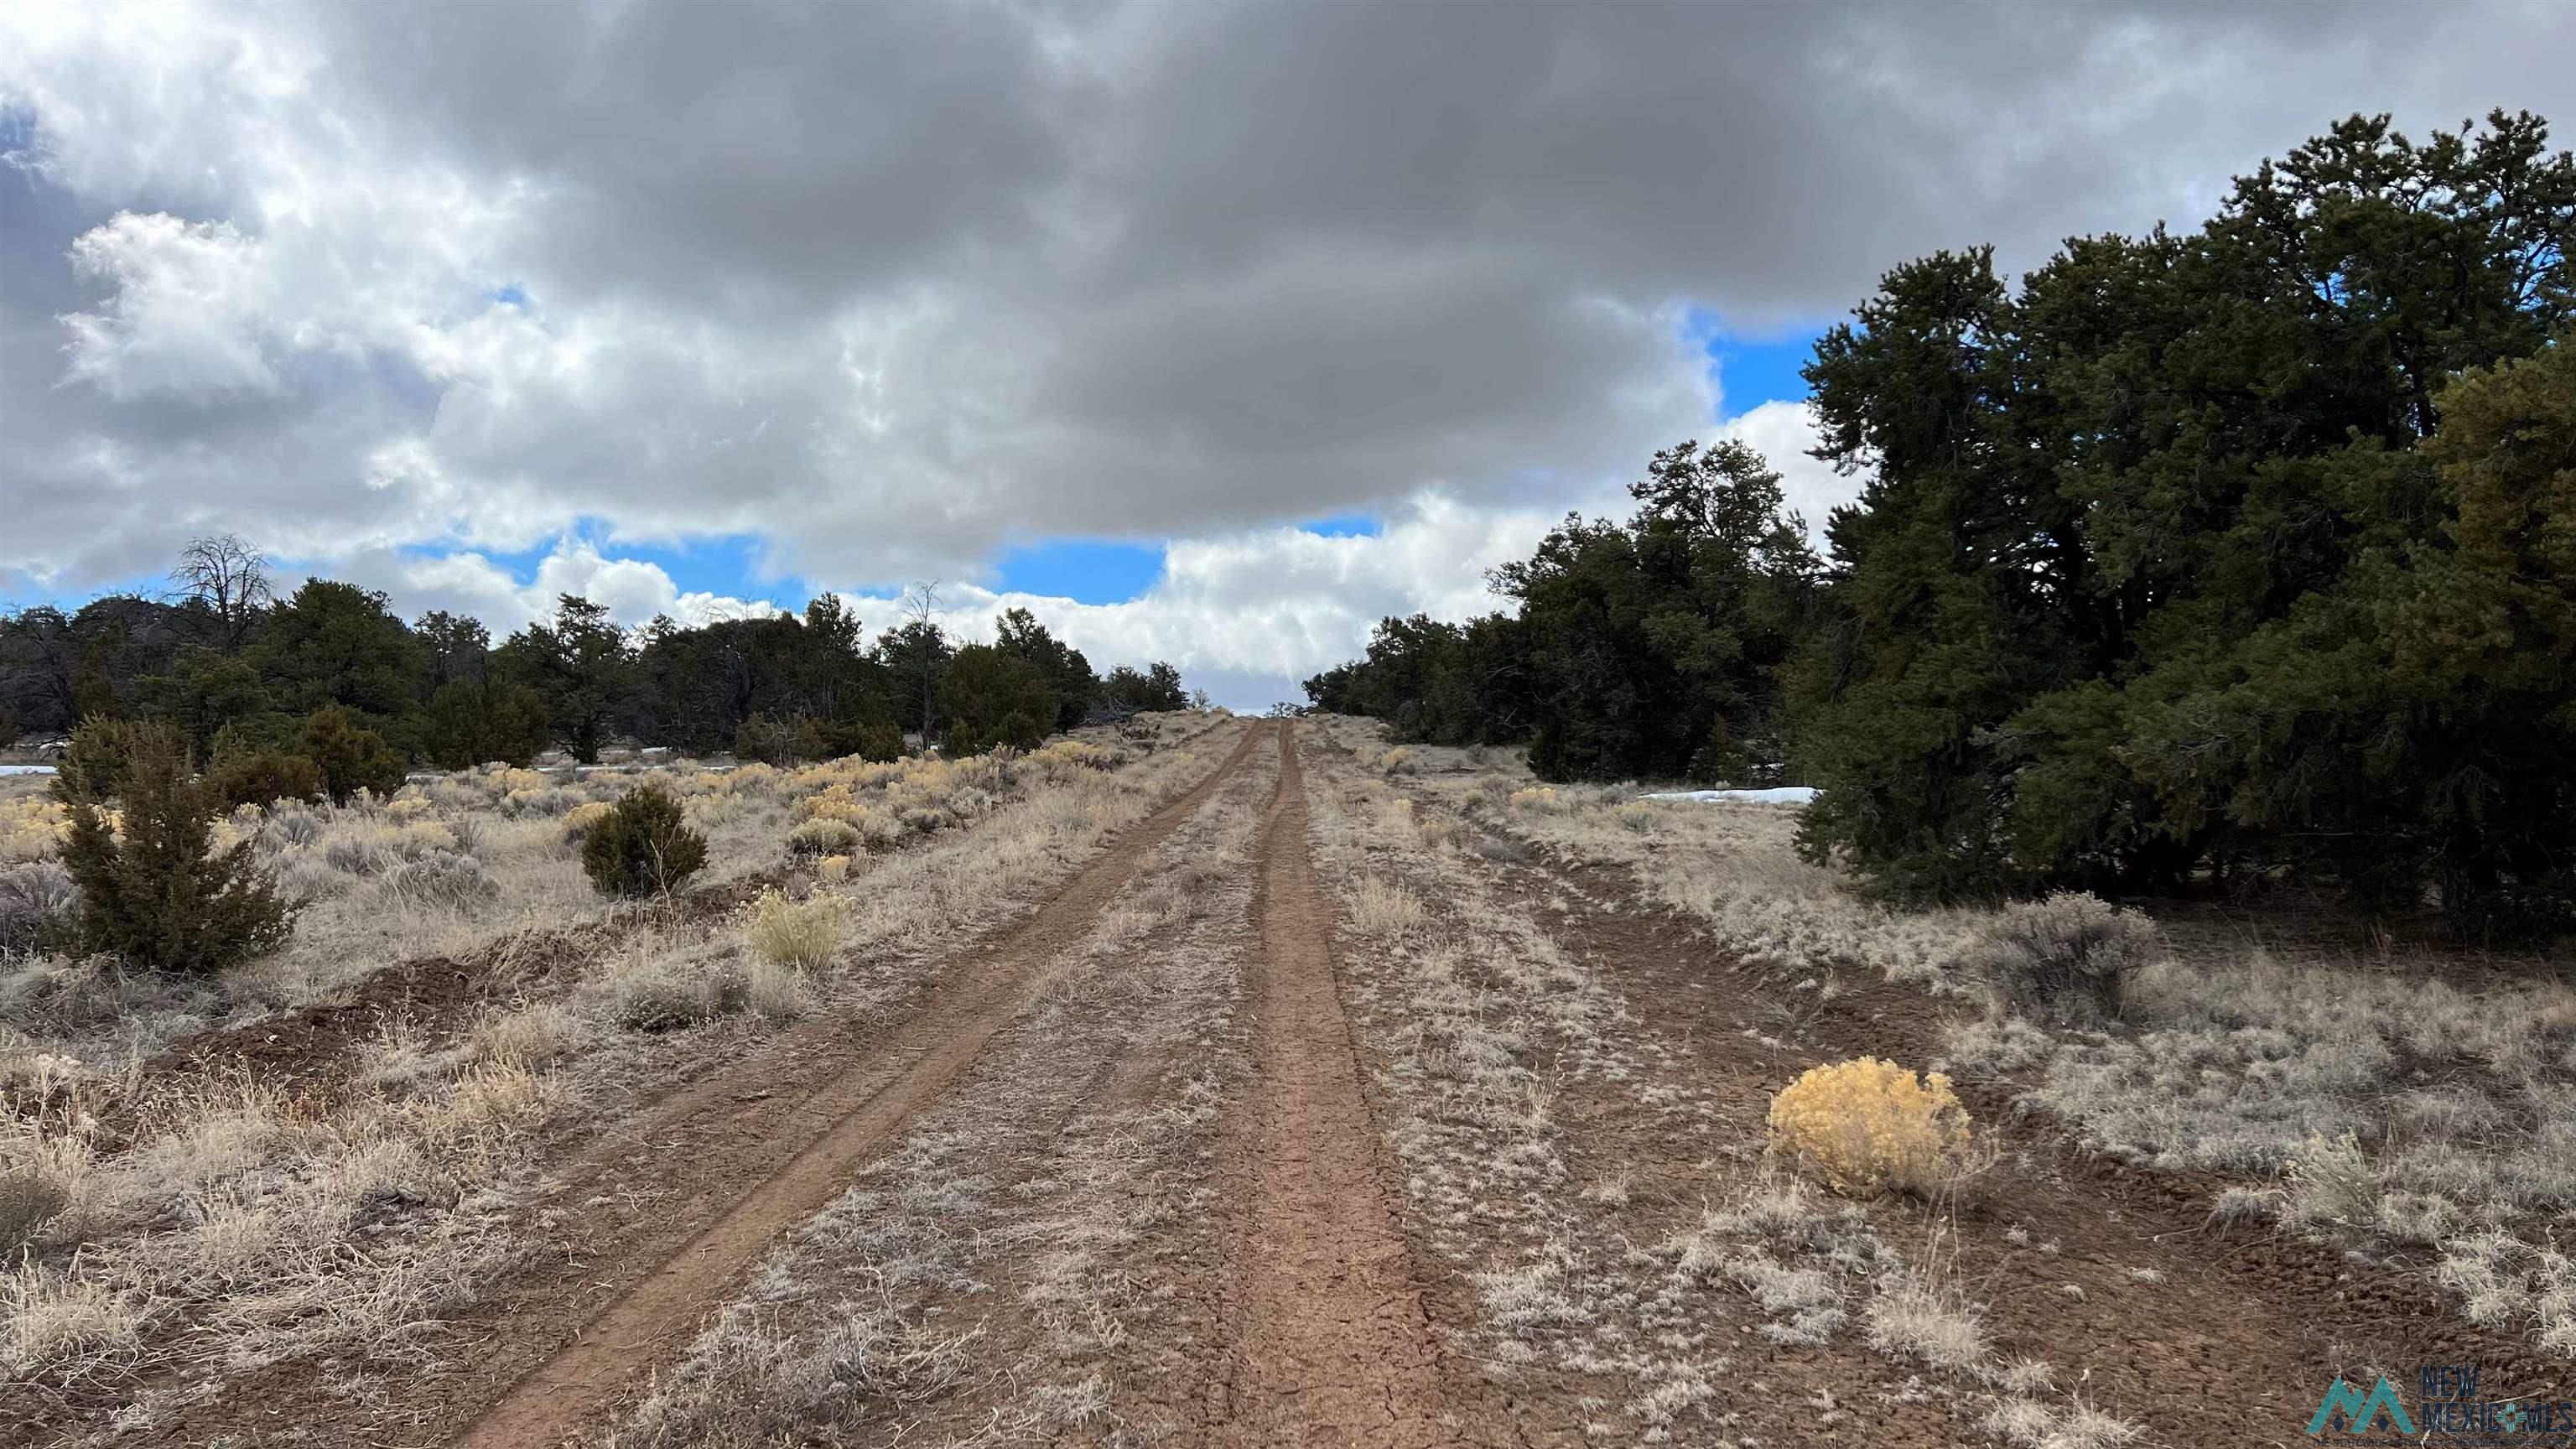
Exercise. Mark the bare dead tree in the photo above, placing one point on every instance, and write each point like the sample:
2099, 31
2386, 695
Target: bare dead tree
921, 609
230, 577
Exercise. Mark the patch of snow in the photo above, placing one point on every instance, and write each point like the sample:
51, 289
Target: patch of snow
1777, 795
26, 769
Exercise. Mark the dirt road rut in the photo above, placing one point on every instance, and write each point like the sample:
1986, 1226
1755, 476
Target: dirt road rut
563, 1364
1329, 1342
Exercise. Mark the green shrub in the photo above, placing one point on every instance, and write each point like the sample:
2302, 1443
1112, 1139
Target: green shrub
643, 847
873, 740
158, 896
262, 777
2065, 956
785, 740
350, 756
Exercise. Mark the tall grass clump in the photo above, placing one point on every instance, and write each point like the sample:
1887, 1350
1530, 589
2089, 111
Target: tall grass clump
800, 934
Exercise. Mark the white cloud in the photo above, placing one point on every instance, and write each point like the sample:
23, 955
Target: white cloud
887, 286
468, 583
1254, 613
187, 308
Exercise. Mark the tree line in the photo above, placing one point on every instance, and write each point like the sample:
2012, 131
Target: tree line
2241, 553
332, 676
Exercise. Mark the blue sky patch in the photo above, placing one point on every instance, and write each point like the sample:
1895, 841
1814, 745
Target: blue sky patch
1345, 525
1085, 570
726, 564
1754, 368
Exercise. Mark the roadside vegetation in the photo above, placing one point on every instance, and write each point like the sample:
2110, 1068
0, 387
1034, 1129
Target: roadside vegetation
2229, 556
330, 1150
2403, 1104
1644, 1238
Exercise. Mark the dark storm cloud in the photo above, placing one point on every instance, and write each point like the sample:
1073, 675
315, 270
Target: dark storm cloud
889, 283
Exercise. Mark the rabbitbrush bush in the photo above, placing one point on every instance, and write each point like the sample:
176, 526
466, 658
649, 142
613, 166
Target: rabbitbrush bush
1870, 1126
578, 820
642, 847
2065, 956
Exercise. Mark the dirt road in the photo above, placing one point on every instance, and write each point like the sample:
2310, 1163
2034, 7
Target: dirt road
1328, 1339
1208, 1150
596, 1361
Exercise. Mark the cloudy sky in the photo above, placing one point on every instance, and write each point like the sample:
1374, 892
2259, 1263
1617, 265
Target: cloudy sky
1214, 331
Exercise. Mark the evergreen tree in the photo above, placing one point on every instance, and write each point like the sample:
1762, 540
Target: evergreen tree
995, 696
153, 890
478, 721
580, 665
1067, 674
2117, 604
338, 644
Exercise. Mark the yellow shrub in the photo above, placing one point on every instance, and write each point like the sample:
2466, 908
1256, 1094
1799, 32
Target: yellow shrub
1063, 755
421, 837
1541, 798
1869, 1126
30, 829
408, 808
834, 869
836, 803
578, 820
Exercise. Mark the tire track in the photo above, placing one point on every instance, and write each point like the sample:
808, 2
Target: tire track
1329, 1341
588, 1363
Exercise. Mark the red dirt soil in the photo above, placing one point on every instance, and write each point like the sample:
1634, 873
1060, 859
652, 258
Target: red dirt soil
1327, 1338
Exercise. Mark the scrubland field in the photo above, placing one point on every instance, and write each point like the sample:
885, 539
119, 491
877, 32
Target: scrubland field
1207, 1081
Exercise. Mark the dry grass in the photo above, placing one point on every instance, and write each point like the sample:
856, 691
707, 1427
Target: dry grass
65, 1323
880, 1313
1381, 908
226, 1234
2308, 1082
1478, 1010
1915, 1318
801, 935
2378, 1097
532, 1034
